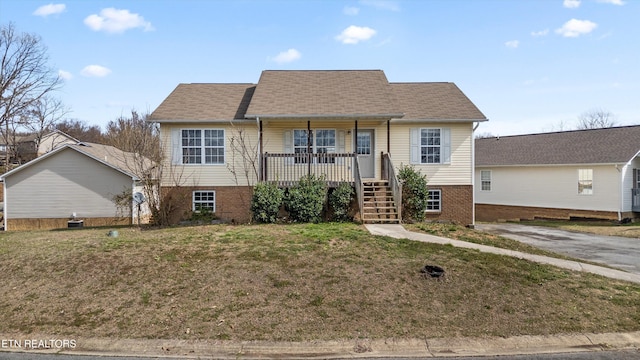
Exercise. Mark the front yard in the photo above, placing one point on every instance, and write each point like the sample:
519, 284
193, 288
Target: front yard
291, 283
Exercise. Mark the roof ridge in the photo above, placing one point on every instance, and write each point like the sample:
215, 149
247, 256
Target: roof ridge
560, 132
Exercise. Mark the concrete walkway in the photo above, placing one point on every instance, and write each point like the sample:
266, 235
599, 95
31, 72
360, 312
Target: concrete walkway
399, 232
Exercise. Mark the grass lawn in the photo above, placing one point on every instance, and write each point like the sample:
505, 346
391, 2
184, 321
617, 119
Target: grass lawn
602, 227
291, 283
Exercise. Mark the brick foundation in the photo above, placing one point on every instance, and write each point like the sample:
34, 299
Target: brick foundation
233, 203
50, 224
489, 212
457, 204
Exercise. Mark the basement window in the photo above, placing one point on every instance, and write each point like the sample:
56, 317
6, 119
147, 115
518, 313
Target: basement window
434, 203
204, 200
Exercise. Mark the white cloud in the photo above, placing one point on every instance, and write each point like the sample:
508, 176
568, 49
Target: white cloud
65, 75
51, 9
381, 4
351, 10
571, 4
95, 71
354, 34
575, 28
512, 44
287, 56
540, 33
614, 2
116, 21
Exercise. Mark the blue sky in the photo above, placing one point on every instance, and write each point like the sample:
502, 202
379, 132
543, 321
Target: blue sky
529, 65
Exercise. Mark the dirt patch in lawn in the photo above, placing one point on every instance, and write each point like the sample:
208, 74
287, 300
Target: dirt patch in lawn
289, 283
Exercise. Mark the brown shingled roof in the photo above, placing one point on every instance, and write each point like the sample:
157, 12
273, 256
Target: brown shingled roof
597, 146
202, 102
434, 101
323, 93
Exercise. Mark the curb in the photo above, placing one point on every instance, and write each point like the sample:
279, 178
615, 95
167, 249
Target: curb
363, 348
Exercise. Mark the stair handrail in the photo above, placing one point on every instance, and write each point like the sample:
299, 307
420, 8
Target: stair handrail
395, 184
357, 180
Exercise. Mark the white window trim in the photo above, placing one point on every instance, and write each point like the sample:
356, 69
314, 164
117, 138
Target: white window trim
202, 147
415, 143
490, 180
439, 203
193, 199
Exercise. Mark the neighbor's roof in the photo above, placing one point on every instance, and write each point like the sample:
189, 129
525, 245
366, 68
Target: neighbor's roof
196, 102
597, 146
435, 101
122, 161
323, 93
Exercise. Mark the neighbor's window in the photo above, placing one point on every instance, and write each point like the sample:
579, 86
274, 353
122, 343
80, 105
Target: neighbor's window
203, 146
434, 203
585, 181
204, 200
326, 144
485, 180
300, 145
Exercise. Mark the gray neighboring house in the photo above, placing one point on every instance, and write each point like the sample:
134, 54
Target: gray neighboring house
570, 174
80, 179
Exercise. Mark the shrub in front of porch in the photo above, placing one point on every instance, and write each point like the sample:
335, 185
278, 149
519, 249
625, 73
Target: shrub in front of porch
415, 193
266, 201
340, 201
306, 199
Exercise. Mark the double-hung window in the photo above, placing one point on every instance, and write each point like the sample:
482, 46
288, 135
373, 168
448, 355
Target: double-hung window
430, 146
318, 142
485, 180
202, 146
585, 181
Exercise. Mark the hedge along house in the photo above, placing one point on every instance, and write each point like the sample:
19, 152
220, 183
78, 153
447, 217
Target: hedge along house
562, 175
80, 179
347, 126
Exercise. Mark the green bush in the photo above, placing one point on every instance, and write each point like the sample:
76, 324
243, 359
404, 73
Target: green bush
266, 201
415, 193
305, 201
340, 201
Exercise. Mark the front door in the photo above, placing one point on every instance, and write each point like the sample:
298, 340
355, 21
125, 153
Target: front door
366, 153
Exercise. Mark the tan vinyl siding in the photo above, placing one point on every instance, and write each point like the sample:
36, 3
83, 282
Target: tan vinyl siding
551, 187
62, 184
458, 172
208, 174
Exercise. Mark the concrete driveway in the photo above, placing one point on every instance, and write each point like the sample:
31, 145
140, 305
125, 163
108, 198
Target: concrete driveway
619, 252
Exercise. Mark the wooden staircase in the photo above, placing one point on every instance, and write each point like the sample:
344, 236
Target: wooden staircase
378, 204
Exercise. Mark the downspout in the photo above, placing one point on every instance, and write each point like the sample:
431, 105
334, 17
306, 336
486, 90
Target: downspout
623, 173
309, 157
4, 202
473, 175
260, 166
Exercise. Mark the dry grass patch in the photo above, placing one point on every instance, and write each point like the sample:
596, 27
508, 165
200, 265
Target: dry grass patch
598, 227
289, 282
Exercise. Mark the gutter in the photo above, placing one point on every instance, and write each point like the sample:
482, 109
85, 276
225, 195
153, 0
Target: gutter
323, 116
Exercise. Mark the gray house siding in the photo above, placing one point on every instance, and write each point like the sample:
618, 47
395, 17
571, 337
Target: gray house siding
65, 183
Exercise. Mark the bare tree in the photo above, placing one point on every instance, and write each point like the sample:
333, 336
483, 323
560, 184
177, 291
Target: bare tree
146, 159
596, 119
25, 76
81, 130
484, 135
42, 117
